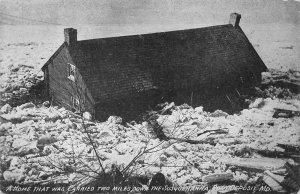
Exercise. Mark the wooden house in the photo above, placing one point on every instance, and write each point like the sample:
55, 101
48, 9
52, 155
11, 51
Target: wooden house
82, 74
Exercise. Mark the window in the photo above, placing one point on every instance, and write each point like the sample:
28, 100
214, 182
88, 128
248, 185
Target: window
72, 69
75, 103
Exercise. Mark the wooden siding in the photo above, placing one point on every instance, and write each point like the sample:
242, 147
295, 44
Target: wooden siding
61, 88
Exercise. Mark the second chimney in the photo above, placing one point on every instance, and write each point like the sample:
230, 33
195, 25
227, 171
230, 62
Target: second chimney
70, 36
235, 19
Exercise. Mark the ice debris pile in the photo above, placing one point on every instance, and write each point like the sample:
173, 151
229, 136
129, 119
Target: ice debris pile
17, 84
20, 70
50, 144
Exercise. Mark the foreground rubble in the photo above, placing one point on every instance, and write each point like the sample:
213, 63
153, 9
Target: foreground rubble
50, 145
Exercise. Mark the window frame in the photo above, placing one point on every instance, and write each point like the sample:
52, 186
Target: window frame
71, 72
75, 103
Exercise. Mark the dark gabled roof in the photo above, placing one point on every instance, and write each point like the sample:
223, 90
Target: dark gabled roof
63, 45
216, 55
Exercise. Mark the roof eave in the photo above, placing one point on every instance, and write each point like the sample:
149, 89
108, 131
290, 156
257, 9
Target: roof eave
265, 68
53, 56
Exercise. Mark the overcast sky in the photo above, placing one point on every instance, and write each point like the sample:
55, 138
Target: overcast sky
135, 12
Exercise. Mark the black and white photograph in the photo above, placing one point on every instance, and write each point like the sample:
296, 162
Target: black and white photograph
149, 96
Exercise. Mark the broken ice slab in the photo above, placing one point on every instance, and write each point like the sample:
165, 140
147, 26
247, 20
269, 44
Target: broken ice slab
255, 163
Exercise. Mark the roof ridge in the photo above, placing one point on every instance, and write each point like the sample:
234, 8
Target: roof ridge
152, 33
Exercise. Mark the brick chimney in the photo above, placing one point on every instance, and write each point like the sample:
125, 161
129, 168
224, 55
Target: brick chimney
70, 36
235, 19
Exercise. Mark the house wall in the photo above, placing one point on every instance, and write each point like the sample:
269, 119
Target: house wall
61, 88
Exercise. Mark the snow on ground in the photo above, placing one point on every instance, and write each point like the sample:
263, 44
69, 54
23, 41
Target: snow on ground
50, 144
